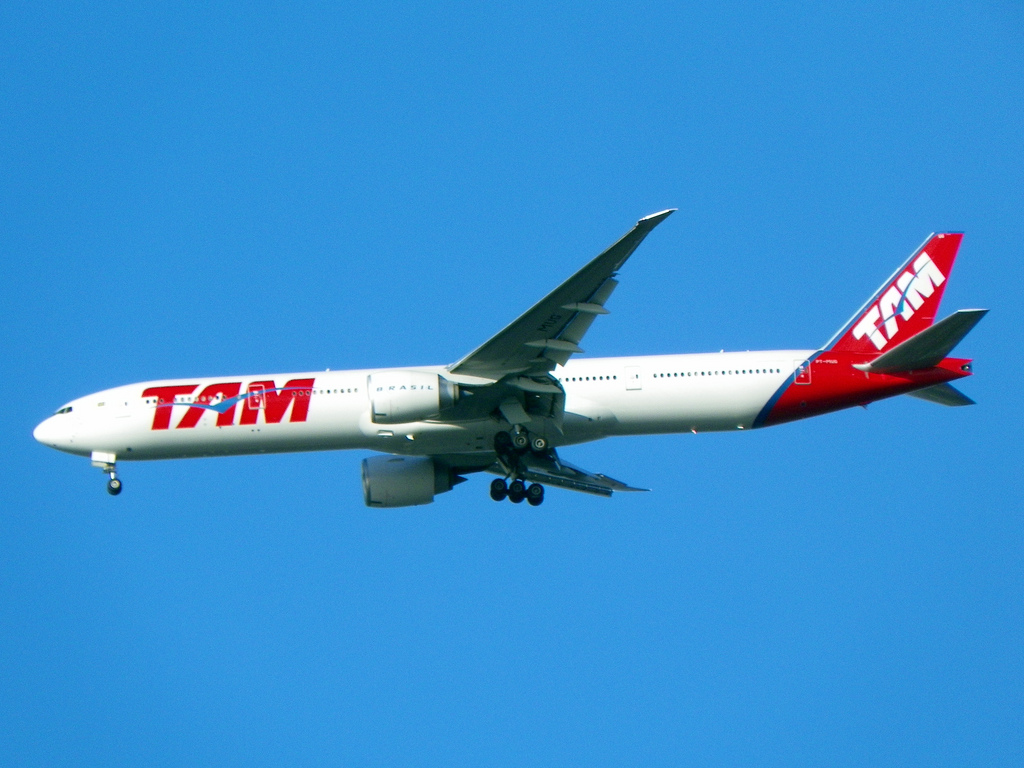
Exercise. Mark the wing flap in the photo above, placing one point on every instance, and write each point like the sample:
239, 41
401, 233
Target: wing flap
550, 470
579, 325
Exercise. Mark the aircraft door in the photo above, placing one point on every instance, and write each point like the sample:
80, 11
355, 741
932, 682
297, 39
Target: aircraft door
802, 372
632, 376
256, 396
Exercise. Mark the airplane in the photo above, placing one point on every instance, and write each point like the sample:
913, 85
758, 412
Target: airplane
509, 406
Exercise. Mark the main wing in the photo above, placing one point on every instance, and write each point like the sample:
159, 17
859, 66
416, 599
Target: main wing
518, 361
549, 333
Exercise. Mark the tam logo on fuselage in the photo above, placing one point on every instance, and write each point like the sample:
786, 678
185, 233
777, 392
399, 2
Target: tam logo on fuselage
905, 296
260, 397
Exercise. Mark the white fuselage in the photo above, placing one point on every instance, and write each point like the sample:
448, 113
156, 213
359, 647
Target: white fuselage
604, 397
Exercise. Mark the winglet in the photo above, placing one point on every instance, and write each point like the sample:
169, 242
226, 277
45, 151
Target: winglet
634, 237
656, 217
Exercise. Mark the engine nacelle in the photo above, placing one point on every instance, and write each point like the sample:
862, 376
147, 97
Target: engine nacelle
404, 481
398, 397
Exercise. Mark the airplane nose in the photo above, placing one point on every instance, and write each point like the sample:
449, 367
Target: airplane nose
53, 432
44, 432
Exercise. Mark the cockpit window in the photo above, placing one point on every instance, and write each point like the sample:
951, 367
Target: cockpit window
65, 409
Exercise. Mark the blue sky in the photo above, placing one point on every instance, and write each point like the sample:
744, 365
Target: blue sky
287, 188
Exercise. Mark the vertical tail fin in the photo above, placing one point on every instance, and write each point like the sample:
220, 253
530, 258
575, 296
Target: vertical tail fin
907, 302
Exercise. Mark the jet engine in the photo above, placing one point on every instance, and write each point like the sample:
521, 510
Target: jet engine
404, 481
399, 397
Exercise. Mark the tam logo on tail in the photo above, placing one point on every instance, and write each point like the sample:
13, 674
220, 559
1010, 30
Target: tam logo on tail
909, 293
907, 302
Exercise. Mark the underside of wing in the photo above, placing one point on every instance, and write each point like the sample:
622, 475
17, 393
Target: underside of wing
548, 469
547, 334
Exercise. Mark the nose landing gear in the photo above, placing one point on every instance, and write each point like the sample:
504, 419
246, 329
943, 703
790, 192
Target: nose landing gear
107, 463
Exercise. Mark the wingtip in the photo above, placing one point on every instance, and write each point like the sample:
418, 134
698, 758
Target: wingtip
656, 217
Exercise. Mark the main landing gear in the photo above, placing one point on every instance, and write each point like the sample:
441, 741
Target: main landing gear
510, 447
517, 491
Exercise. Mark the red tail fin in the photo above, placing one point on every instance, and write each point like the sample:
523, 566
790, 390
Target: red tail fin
907, 302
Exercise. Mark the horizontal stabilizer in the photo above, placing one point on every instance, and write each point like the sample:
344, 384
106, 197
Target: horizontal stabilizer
943, 394
929, 347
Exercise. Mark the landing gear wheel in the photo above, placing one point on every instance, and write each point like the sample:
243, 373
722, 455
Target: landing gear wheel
498, 490
113, 486
520, 440
538, 444
535, 495
502, 442
516, 491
